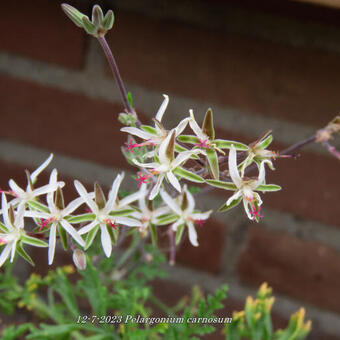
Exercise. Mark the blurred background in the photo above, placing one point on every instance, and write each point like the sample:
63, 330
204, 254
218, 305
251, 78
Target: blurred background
259, 64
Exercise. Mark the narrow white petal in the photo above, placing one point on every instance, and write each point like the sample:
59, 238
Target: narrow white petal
174, 181
137, 132
46, 188
262, 175
171, 202
113, 193
5, 253
145, 165
194, 126
35, 173
155, 189
201, 216
5, 212
15, 188
51, 243
106, 240
177, 224
191, 201
163, 148
73, 205
19, 217
162, 108
141, 200
233, 171
246, 204
130, 222
234, 197
13, 248
67, 226
160, 211
85, 196
192, 234
183, 156
181, 126
129, 199
87, 228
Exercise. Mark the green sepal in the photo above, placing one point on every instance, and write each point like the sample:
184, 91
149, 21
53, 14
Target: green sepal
81, 218
166, 219
63, 236
123, 212
38, 206
222, 185
188, 175
21, 251
169, 152
90, 236
99, 196
115, 234
266, 142
233, 204
213, 163
3, 228
268, 187
112, 236
97, 15
226, 144
188, 139
179, 234
89, 27
33, 241
149, 129
107, 24
154, 236
73, 14
208, 125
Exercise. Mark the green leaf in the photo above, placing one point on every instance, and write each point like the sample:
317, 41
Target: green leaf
188, 139
268, 187
21, 251
188, 175
233, 204
266, 142
129, 95
38, 206
153, 234
149, 129
81, 218
213, 163
208, 125
107, 25
166, 219
63, 236
226, 144
33, 241
94, 289
90, 236
179, 233
73, 14
222, 185
123, 212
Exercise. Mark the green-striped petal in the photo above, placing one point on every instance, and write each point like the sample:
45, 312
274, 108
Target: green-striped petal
91, 236
226, 144
81, 218
21, 251
33, 241
222, 185
149, 129
188, 139
233, 204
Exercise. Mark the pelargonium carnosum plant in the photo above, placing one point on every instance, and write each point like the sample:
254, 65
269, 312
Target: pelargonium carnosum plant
168, 163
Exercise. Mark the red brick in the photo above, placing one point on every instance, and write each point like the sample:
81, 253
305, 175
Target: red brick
272, 79
41, 31
301, 269
206, 257
51, 119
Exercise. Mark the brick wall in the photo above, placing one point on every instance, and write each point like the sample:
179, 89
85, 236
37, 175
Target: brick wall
258, 67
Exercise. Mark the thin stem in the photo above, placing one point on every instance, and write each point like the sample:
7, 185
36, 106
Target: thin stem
115, 71
172, 258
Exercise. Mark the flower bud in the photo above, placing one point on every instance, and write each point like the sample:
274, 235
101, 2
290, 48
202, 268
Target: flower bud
79, 259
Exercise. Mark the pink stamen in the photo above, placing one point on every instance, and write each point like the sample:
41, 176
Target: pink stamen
2, 241
9, 192
88, 210
203, 144
255, 213
45, 223
199, 222
111, 224
131, 145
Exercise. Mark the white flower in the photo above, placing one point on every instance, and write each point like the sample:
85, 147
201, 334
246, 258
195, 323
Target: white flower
102, 214
185, 212
245, 188
167, 164
147, 215
56, 216
23, 196
155, 136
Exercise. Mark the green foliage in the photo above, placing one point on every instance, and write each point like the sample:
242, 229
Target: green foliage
255, 323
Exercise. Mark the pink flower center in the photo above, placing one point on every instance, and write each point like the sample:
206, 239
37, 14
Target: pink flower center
143, 178
130, 145
199, 222
111, 223
203, 144
2, 241
45, 223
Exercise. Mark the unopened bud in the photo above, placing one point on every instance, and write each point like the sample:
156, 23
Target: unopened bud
127, 119
79, 259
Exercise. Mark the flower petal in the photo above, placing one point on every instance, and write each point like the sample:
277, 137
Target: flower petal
87, 228
137, 132
171, 202
233, 171
155, 189
106, 240
67, 226
4, 206
162, 108
35, 173
192, 234
113, 193
51, 243
174, 181
194, 126
234, 197
85, 196
130, 222
5, 253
